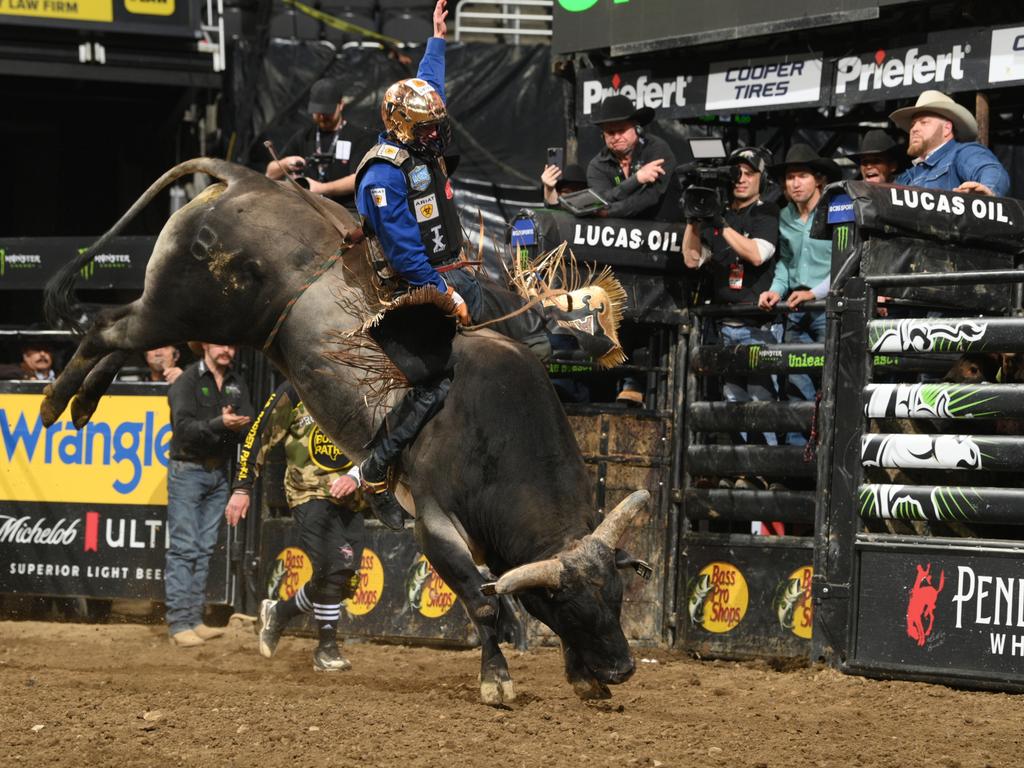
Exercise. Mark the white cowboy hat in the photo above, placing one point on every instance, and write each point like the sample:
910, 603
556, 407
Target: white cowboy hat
965, 127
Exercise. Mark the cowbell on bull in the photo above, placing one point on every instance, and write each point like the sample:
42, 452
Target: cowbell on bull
496, 477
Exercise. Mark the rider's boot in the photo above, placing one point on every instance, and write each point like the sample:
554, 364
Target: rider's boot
399, 429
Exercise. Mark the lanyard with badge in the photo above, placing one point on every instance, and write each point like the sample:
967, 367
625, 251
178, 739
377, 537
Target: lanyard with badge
337, 149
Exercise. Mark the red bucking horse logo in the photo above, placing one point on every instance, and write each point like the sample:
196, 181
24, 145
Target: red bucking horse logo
922, 604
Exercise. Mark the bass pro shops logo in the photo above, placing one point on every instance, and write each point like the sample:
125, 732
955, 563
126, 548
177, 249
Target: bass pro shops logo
639, 88
921, 608
864, 74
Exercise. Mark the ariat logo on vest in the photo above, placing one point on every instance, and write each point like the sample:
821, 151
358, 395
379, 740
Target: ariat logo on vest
387, 150
426, 208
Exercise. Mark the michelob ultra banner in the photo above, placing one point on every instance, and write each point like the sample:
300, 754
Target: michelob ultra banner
120, 457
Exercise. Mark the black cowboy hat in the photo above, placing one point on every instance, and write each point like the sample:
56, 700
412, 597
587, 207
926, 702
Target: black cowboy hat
878, 142
615, 109
803, 156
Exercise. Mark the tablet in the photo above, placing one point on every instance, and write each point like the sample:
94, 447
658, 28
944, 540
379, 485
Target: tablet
582, 203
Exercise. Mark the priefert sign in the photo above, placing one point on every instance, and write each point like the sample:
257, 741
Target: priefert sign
643, 90
882, 74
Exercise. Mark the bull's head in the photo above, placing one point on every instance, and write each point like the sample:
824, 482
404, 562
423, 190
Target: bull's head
578, 593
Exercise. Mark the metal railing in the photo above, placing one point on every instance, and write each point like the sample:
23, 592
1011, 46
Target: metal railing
509, 21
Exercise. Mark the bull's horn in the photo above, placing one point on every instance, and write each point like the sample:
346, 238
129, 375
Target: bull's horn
614, 525
543, 574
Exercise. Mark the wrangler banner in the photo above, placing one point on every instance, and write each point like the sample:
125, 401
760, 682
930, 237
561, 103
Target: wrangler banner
83, 512
120, 457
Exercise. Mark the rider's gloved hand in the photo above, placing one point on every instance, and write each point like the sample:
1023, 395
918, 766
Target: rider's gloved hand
461, 310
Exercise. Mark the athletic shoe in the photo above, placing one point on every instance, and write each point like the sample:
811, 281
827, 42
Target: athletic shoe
269, 628
327, 658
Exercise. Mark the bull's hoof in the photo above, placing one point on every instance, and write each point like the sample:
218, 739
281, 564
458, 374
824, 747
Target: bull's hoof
495, 693
47, 411
591, 689
81, 411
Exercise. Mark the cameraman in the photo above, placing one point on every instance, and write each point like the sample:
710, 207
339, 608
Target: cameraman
326, 146
736, 247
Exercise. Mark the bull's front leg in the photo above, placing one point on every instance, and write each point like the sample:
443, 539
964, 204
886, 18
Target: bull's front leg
57, 394
583, 682
448, 552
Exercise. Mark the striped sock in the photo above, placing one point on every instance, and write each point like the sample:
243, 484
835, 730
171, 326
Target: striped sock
302, 601
327, 621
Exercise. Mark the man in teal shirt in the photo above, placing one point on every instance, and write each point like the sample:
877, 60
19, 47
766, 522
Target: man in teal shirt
804, 268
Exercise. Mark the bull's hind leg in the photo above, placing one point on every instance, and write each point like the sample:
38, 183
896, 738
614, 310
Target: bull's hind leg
119, 330
96, 383
451, 558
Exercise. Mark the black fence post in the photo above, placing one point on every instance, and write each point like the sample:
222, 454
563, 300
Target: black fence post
839, 470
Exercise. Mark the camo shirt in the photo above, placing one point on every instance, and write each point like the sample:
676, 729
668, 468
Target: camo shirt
314, 462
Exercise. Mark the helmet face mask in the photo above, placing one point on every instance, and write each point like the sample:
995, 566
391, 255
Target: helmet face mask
415, 115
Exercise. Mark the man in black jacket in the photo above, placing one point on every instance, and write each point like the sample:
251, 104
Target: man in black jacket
632, 172
210, 409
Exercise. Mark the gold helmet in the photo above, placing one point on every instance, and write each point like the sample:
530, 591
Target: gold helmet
414, 114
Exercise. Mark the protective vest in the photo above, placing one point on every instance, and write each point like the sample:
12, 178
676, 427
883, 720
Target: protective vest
430, 198
313, 460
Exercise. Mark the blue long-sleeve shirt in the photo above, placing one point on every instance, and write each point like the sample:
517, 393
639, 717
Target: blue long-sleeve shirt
383, 194
954, 163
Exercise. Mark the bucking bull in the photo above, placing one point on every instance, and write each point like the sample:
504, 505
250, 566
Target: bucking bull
496, 477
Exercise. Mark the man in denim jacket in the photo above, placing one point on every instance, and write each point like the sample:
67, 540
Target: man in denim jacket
945, 155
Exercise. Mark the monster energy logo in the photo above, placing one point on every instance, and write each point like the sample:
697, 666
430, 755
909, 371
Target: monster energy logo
842, 237
105, 261
754, 355
18, 261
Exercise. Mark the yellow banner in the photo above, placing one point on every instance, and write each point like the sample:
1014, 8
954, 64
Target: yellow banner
70, 10
119, 458
149, 7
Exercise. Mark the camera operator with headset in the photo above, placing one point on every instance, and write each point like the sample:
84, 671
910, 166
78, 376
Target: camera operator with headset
735, 240
325, 166
633, 170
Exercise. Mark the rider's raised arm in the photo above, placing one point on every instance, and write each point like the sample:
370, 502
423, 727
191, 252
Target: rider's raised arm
431, 66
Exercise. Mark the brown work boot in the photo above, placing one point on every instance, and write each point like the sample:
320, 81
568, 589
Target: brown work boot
187, 638
208, 633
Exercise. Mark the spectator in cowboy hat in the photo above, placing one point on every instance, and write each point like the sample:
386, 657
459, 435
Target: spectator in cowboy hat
879, 156
804, 267
557, 182
943, 149
632, 172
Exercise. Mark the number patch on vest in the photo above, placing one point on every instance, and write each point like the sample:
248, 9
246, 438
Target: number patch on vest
380, 196
426, 208
419, 178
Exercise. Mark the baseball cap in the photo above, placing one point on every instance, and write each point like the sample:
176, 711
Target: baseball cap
324, 96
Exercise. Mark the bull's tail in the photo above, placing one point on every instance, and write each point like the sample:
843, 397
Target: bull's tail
60, 289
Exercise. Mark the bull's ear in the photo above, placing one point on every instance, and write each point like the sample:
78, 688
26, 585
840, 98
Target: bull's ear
625, 560
546, 574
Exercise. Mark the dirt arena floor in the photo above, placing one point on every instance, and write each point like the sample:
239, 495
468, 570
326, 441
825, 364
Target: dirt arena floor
119, 695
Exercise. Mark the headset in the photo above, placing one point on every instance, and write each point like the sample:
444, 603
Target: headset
758, 158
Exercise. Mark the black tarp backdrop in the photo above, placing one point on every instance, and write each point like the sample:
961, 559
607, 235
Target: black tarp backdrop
506, 105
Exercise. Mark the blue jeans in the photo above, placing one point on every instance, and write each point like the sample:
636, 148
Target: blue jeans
196, 498
754, 387
803, 328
